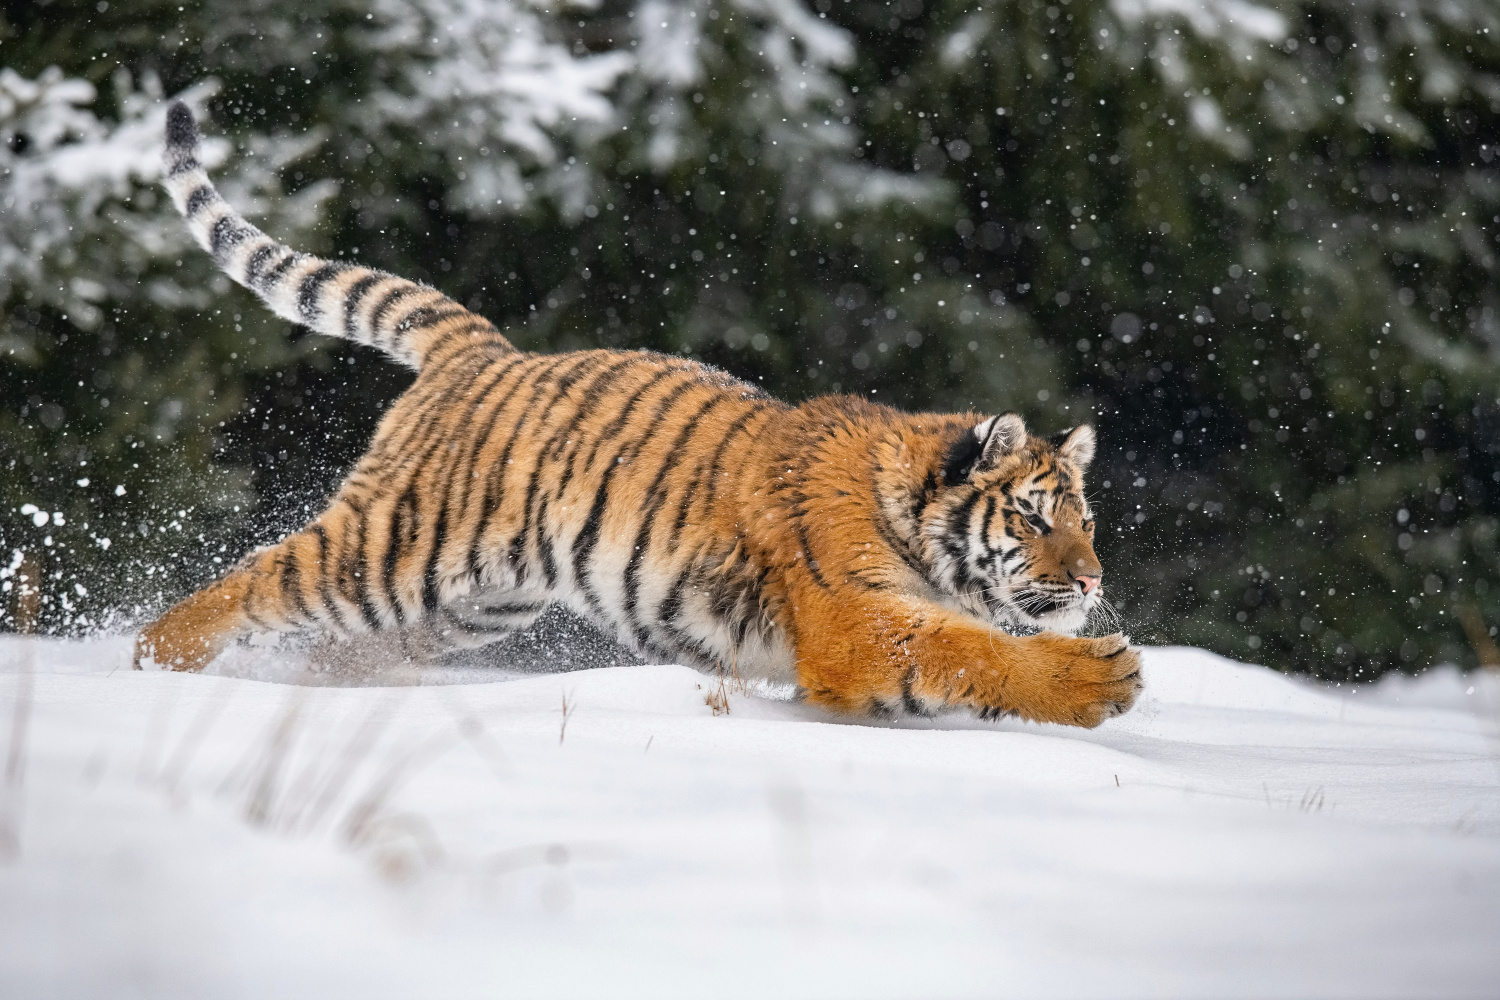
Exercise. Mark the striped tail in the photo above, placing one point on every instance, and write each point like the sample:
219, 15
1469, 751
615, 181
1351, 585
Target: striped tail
405, 319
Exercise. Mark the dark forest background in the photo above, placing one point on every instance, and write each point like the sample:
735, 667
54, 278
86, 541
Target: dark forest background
1254, 242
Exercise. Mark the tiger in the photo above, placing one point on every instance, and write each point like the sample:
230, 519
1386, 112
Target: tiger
884, 563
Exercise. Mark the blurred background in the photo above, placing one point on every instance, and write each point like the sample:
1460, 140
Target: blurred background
1255, 242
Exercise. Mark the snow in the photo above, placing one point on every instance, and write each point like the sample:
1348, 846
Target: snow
470, 75
1210, 18
1238, 833
77, 193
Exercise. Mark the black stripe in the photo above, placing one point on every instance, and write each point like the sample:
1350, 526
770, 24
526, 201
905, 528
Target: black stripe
588, 536
713, 469
461, 339
911, 557
960, 519
808, 558
494, 479
924, 497
456, 462
411, 454
183, 162
461, 464
291, 582
615, 426
542, 454
477, 335
954, 540
423, 317
908, 700
324, 590
273, 277
312, 283
544, 542
511, 608
656, 498
557, 446
595, 389
395, 446
448, 620
671, 605
984, 528
429, 575
202, 195
497, 371
225, 234
393, 553
680, 644
260, 623
353, 297
388, 301
688, 496
258, 260
359, 585
911, 553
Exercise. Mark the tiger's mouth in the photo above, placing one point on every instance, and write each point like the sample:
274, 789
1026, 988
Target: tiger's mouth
1042, 609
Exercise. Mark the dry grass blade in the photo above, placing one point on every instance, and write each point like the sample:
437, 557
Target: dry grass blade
473, 729
567, 713
187, 747
355, 752
1479, 635
15, 756
366, 812
154, 744
718, 698
273, 761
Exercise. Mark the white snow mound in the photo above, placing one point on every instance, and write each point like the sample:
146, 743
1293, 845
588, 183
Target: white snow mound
607, 833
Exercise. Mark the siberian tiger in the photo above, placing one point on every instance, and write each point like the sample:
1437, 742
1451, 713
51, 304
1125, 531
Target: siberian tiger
869, 555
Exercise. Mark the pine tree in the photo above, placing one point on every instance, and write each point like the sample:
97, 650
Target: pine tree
1255, 245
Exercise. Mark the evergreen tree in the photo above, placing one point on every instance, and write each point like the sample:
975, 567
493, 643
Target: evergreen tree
1254, 244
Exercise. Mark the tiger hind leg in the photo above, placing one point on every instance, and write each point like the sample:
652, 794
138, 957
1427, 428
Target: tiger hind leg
287, 587
467, 622
391, 653
312, 582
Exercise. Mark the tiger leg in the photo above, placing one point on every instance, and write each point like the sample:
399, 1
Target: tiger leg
478, 620
882, 654
281, 588
466, 623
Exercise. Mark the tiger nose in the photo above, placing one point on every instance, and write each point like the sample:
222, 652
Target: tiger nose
1088, 584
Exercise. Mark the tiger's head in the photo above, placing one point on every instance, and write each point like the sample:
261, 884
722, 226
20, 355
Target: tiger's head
1009, 532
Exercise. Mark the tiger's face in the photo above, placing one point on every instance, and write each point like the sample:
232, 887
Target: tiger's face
1011, 534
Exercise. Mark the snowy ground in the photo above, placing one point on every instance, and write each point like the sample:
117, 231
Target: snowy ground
1238, 834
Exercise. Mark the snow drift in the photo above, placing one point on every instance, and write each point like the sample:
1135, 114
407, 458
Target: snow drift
617, 832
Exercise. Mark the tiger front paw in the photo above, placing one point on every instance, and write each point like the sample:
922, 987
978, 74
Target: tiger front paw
1077, 682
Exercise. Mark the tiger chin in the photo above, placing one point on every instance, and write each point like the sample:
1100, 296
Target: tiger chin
883, 561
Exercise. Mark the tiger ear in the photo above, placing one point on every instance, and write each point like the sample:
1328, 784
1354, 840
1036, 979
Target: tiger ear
1077, 445
998, 437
